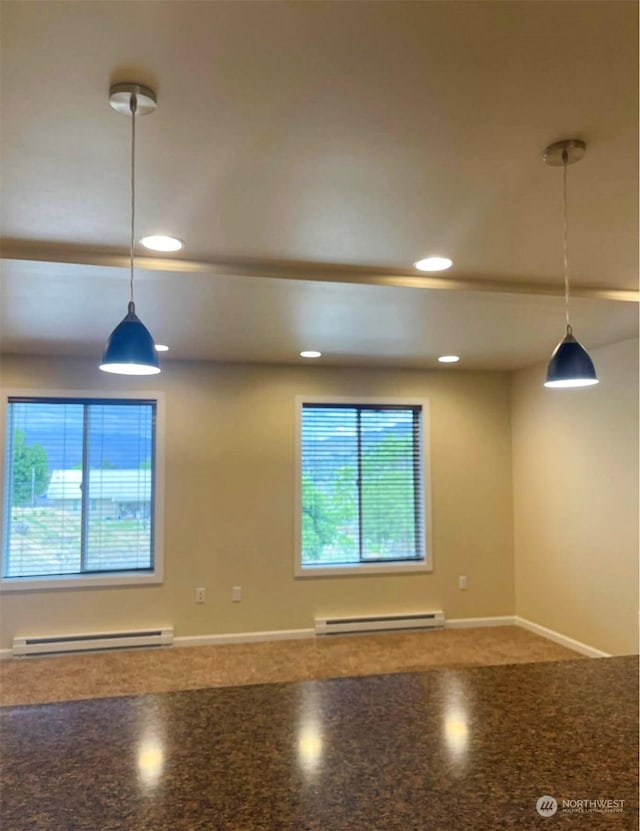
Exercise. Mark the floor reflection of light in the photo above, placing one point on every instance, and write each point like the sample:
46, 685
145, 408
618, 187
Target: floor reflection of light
309, 746
150, 762
309, 740
456, 731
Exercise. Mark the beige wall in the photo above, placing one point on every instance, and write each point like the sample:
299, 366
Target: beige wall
229, 501
575, 475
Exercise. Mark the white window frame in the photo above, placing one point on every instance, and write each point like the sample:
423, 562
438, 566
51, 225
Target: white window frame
83, 581
361, 569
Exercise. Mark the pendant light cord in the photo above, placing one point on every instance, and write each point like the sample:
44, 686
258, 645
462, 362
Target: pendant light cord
565, 161
133, 104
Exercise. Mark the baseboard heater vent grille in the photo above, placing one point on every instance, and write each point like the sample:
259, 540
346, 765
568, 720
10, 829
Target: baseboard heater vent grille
45, 644
379, 623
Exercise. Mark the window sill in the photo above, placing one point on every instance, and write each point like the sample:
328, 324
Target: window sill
81, 581
362, 569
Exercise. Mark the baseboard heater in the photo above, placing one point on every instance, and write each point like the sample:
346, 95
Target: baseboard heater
86, 642
379, 623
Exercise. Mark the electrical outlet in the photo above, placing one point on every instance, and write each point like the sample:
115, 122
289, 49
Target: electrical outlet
236, 594
462, 583
200, 595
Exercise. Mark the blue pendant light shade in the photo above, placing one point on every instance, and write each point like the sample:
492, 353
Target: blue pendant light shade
130, 349
570, 365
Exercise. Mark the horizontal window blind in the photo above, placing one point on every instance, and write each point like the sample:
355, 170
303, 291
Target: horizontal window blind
80, 485
361, 484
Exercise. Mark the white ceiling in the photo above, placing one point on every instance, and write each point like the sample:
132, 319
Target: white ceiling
308, 153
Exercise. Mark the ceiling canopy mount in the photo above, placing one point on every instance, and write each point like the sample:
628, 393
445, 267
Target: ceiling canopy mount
120, 98
567, 151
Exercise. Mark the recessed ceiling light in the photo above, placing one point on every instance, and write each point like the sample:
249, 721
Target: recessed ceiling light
160, 347
310, 353
449, 359
159, 242
434, 264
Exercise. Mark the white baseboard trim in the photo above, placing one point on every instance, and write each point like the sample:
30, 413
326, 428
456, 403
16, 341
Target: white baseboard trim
454, 623
563, 640
477, 622
244, 637
296, 634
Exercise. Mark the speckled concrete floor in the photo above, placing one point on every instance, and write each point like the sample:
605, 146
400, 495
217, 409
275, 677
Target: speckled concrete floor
452, 749
65, 678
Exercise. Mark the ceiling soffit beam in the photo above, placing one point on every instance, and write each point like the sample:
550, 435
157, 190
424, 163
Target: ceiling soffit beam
298, 270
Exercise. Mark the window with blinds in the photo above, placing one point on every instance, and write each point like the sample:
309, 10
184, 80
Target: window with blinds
361, 482
79, 487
